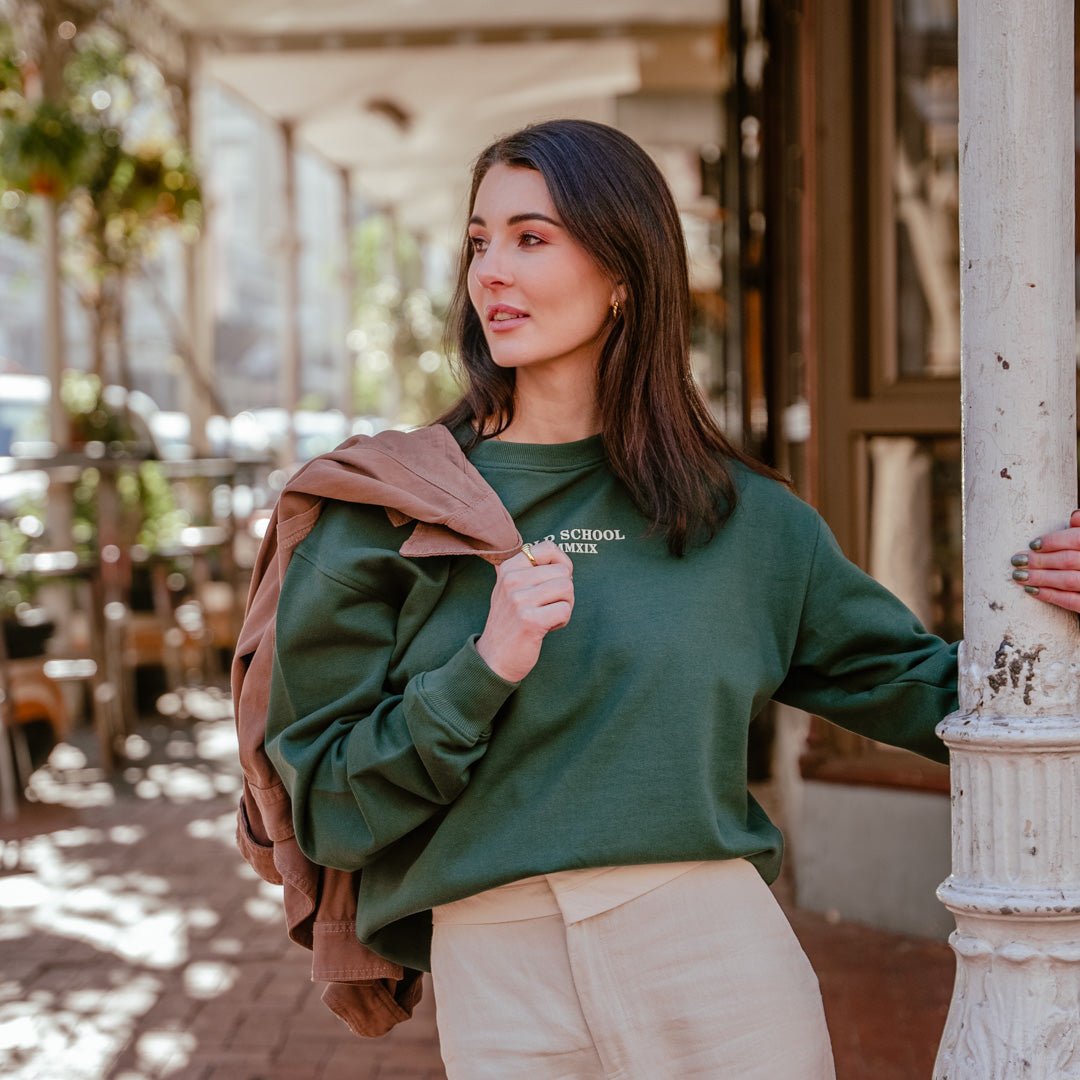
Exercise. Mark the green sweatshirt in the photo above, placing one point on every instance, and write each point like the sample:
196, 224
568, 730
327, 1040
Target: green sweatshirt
404, 754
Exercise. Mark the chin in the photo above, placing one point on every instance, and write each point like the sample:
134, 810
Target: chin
505, 359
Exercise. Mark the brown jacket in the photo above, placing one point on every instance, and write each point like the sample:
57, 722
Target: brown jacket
420, 476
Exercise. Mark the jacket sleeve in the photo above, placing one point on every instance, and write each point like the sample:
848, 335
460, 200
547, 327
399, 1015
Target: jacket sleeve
863, 660
364, 766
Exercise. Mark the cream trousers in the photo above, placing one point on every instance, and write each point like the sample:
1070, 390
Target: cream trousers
699, 977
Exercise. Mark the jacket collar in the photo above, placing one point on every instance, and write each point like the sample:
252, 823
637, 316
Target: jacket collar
422, 476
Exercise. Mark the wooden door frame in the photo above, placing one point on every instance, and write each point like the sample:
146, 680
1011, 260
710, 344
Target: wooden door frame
848, 207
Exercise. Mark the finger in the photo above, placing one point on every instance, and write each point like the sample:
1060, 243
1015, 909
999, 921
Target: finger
520, 561
1060, 540
1060, 580
547, 551
535, 620
1070, 601
543, 593
556, 615
1047, 560
523, 574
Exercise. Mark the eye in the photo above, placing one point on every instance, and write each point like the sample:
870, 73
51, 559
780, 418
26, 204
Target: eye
531, 240
477, 243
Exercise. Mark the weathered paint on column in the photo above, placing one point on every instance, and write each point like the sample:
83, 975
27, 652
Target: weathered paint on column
1015, 882
290, 342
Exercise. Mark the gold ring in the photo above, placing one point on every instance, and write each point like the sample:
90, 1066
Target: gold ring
527, 549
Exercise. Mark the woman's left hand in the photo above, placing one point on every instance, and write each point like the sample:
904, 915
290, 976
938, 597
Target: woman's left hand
1050, 571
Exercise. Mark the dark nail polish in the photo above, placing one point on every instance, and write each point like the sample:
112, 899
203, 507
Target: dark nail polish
1031, 589
1019, 560
1036, 545
1020, 575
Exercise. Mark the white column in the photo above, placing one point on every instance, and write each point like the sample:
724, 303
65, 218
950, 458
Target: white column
1015, 882
348, 289
199, 265
46, 84
53, 329
290, 342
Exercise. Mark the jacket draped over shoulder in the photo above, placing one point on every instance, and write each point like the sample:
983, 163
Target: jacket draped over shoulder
420, 476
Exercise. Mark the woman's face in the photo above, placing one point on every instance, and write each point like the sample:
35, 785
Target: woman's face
541, 298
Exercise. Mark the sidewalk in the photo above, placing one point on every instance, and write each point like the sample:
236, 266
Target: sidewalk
134, 943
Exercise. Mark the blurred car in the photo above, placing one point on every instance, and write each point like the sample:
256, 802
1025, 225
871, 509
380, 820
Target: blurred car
24, 431
24, 415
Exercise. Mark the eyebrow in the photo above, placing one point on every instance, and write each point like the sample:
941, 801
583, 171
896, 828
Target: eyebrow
517, 219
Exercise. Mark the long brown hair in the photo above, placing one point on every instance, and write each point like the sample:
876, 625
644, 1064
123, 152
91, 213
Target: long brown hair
659, 434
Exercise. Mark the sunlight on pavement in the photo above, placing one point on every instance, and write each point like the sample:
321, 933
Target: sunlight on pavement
22, 891
109, 921
164, 1051
126, 834
227, 946
203, 918
81, 1029
263, 909
122, 914
68, 780
135, 943
222, 828
209, 978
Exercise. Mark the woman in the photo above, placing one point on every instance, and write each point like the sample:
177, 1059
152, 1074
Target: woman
550, 766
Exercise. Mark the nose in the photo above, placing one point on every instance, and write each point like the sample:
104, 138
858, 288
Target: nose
492, 267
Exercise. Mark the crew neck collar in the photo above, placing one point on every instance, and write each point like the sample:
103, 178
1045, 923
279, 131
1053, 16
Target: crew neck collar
564, 455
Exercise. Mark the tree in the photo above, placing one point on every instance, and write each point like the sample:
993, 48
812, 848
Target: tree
104, 144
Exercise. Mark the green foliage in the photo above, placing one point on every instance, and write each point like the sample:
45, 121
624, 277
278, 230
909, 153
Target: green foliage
146, 500
109, 146
13, 543
151, 495
11, 77
45, 150
148, 517
92, 418
100, 61
124, 201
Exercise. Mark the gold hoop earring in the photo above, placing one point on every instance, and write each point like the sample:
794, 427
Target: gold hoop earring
614, 309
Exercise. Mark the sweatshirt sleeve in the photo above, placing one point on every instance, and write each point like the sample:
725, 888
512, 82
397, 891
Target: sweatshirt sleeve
863, 660
364, 766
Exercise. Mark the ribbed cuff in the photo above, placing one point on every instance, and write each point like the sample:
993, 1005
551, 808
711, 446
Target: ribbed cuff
466, 692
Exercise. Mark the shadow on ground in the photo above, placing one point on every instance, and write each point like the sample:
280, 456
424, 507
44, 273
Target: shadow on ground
135, 943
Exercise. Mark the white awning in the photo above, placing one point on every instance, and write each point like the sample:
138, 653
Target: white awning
405, 93
283, 17
408, 121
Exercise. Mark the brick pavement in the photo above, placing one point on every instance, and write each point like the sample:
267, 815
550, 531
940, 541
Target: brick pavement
886, 996
135, 944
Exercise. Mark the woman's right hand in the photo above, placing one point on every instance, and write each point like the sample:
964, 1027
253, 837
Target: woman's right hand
526, 604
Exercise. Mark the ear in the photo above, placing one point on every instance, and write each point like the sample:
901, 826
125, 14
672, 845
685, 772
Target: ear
618, 293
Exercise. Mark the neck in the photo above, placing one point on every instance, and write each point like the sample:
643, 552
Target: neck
552, 410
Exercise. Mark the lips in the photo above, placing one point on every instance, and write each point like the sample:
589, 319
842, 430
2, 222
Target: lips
504, 317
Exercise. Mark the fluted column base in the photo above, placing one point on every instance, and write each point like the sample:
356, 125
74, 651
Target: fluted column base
1015, 894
